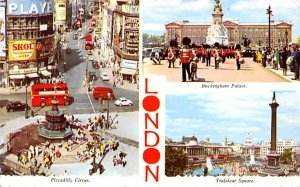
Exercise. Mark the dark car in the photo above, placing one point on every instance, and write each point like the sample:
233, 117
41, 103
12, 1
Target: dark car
95, 64
92, 76
248, 53
75, 36
16, 106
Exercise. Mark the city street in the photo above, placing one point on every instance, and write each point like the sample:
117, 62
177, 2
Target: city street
249, 72
75, 70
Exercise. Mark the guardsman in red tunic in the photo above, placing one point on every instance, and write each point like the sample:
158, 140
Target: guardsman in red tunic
185, 57
171, 57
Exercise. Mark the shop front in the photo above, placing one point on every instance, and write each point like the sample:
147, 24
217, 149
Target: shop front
129, 70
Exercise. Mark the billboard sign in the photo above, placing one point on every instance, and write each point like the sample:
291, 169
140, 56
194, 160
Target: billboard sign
19, 50
61, 9
129, 64
2, 32
44, 47
29, 7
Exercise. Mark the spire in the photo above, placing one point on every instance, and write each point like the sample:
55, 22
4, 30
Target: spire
274, 95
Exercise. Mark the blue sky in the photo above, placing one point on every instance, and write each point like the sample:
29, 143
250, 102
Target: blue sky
156, 13
217, 114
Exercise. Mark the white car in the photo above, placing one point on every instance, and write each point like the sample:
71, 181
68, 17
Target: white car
104, 77
122, 101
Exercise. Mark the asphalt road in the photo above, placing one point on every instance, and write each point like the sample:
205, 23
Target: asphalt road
249, 72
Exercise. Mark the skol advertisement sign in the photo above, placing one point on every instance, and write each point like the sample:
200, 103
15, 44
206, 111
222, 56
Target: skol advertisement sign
19, 50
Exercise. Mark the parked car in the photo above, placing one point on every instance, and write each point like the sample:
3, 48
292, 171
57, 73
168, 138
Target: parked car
16, 106
103, 92
122, 101
104, 77
91, 30
146, 52
81, 36
75, 36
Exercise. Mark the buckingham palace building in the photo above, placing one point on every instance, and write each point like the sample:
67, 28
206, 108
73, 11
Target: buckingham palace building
281, 32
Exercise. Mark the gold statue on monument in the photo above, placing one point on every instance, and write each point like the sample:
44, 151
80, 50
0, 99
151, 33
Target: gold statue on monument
218, 6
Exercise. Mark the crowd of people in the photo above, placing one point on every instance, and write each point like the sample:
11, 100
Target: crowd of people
87, 142
286, 58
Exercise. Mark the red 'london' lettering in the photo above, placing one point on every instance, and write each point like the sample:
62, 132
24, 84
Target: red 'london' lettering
155, 176
148, 118
147, 133
146, 88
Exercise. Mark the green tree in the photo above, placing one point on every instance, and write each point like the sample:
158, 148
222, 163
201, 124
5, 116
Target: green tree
286, 157
176, 162
297, 40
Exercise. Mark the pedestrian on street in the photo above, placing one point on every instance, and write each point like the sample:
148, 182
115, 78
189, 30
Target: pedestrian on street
275, 59
295, 63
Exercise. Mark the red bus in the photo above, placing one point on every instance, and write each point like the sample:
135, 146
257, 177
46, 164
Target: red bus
78, 23
43, 94
89, 42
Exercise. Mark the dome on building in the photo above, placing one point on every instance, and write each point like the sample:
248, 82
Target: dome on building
194, 138
193, 141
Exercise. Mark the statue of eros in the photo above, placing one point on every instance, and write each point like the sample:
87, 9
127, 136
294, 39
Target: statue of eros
218, 2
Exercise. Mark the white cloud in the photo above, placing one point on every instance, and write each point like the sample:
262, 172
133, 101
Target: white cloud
243, 5
175, 5
160, 3
153, 26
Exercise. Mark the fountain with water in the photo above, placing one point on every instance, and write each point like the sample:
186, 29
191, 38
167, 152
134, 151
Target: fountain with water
211, 171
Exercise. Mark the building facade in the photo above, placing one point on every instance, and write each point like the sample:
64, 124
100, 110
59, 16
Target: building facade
30, 39
281, 32
119, 28
282, 145
126, 40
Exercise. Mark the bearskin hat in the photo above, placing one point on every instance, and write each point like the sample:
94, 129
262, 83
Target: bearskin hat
217, 45
238, 47
194, 46
186, 41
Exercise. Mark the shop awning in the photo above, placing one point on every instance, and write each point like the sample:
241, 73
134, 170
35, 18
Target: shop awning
52, 67
32, 75
21, 76
128, 71
45, 73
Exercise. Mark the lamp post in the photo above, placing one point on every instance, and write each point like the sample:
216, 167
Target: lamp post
286, 37
269, 12
107, 121
26, 92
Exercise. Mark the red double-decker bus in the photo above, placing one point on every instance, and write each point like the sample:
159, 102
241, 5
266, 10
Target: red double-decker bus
43, 94
89, 42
